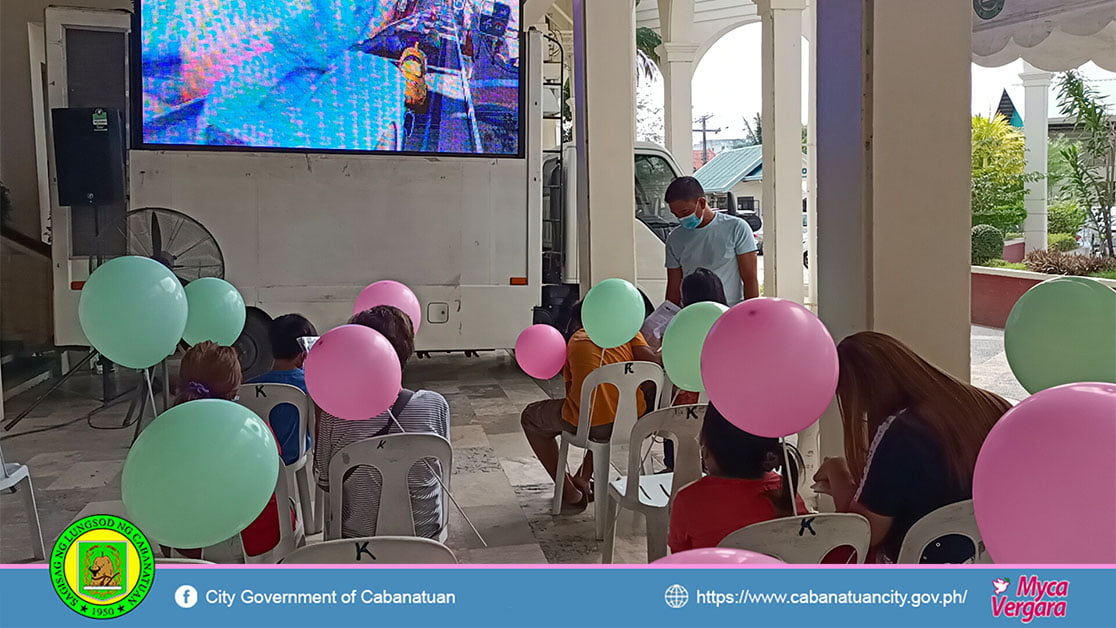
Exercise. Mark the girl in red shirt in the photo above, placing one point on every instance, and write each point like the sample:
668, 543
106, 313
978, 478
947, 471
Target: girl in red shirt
742, 487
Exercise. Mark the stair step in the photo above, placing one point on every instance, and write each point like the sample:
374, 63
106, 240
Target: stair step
23, 373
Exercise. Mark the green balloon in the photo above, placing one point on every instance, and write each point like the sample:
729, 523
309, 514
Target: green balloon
133, 311
216, 312
200, 473
1062, 331
683, 340
612, 313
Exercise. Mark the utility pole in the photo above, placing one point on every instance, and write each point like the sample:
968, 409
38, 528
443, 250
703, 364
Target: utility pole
705, 131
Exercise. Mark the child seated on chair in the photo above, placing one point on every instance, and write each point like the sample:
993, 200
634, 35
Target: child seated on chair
289, 356
422, 411
210, 371
700, 285
742, 487
544, 420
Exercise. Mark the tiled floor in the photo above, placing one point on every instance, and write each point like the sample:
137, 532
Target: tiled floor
497, 481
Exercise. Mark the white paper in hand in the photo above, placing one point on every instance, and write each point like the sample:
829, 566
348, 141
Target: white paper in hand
307, 342
656, 324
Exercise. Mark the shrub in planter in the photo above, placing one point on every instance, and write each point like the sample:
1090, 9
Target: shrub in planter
1055, 263
1061, 242
988, 244
1064, 217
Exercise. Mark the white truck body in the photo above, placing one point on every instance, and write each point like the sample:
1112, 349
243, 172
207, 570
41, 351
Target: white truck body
304, 232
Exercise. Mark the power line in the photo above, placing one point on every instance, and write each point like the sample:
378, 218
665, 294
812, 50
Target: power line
705, 131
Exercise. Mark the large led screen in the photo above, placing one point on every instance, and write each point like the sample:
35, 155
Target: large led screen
409, 76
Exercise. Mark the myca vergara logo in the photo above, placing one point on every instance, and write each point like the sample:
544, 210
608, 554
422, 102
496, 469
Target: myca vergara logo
1033, 598
102, 567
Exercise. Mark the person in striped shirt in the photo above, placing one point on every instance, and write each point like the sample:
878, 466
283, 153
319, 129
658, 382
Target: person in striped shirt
417, 412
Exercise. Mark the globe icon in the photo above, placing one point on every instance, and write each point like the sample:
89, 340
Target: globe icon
677, 596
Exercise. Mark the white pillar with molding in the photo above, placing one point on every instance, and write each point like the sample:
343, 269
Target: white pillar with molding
893, 197
1036, 103
604, 115
781, 59
676, 63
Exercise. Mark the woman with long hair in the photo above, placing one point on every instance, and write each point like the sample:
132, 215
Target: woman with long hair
912, 435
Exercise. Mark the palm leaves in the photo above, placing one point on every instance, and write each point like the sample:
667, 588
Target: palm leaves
1091, 179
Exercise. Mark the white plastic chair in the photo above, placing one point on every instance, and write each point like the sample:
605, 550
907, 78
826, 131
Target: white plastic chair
12, 474
262, 399
804, 539
290, 538
666, 398
957, 518
652, 494
393, 455
374, 550
627, 378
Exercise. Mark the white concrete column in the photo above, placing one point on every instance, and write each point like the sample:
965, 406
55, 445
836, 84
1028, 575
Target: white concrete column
810, 27
782, 147
604, 97
676, 63
1036, 95
809, 440
893, 197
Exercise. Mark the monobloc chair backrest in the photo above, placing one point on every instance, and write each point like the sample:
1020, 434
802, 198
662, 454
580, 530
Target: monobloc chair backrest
804, 539
289, 535
262, 399
393, 456
627, 378
682, 425
372, 550
957, 518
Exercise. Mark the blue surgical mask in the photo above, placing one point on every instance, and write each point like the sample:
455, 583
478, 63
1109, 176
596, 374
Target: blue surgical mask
690, 222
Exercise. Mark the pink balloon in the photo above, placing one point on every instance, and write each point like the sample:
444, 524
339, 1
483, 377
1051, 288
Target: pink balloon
540, 351
718, 556
1044, 487
391, 293
770, 367
352, 372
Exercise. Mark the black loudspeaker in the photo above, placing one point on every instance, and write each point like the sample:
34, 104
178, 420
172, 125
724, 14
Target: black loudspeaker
89, 154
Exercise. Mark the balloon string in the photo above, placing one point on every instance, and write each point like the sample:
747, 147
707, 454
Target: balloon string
150, 395
787, 477
438, 477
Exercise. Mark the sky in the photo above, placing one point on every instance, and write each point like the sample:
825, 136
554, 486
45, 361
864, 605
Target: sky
727, 83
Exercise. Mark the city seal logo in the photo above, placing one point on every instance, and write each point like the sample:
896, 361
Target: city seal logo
102, 567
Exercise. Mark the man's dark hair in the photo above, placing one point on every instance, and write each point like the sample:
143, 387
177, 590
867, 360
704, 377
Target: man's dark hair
394, 324
684, 189
284, 333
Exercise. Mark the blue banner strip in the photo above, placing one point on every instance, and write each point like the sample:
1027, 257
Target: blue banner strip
564, 596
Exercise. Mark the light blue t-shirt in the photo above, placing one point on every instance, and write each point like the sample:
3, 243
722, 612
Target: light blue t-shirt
715, 247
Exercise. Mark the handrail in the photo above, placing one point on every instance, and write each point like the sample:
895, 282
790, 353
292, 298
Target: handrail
25, 242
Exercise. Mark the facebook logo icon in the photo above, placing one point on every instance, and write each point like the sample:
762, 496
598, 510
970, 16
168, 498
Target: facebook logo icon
186, 596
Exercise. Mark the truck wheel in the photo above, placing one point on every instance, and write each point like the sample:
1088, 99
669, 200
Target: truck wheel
253, 346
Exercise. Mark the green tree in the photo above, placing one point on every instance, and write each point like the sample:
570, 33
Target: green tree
1091, 180
755, 131
998, 185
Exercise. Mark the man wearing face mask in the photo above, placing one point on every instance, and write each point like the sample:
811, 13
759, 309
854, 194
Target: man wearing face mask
707, 239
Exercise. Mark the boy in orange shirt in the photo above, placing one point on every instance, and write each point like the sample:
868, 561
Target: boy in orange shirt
543, 421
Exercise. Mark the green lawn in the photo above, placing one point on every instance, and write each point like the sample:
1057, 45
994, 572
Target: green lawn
1105, 274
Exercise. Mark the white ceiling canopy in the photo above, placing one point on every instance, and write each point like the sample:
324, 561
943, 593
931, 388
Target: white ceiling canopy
1054, 35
